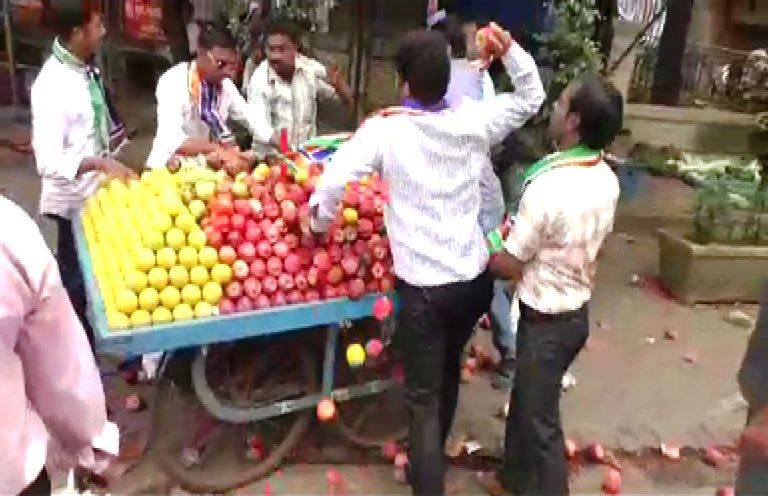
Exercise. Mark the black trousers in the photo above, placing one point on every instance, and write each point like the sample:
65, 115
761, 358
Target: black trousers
434, 326
71, 275
39, 487
534, 453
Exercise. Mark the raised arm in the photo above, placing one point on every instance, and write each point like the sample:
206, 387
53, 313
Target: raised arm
507, 112
356, 158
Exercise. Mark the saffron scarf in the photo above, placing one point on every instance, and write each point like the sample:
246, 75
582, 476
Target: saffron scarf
109, 130
205, 97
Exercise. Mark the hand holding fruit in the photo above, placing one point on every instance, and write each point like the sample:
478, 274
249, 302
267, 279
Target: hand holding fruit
493, 42
115, 169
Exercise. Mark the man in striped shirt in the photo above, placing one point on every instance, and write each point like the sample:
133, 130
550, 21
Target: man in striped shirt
72, 131
435, 160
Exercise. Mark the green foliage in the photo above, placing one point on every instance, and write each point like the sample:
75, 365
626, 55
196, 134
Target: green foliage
233, 14
569, 45
732, 212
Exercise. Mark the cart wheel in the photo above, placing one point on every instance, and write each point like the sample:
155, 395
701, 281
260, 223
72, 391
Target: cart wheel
242, 376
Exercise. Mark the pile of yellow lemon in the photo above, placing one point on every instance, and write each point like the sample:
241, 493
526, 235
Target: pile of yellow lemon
149, 255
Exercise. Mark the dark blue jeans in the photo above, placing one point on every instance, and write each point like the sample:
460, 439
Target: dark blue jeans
71, 275
504, 330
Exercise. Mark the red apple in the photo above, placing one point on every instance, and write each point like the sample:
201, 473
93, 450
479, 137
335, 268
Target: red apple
292, 241
278, 299
350, 264
234, 238
252, 233
244, 304
301, 281
285, 281
220, 222
242, 207
237, 221
227, 255
378, 224
294, 297
264, 225
296, 194
367, 207
313, 276
234, 290
280, 192
226, 307
378, 249
336, 235
356, 289
612, 481
274, 266
288, 211
350, 234
342, 290
335, 275
240, 269
329, 293
264, 249
321, 260
378, 270
257, 209
272, 234
262, 302
364, 228
214, 237
311, 295
271, 210
280, 249
247, 252
252, 288
258, 268
292, 263
269, 285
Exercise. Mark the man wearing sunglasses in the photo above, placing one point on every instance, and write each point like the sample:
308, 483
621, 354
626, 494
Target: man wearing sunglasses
196, 99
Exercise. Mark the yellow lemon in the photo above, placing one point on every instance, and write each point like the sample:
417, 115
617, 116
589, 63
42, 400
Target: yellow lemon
126, 301
203, 309
166, 258
158, 278
140, 318
350, 216
162, 315
186, 222
149, 299
197, 208
118, 321
188, 257
171, 202
161, 222
302, 175
212, 292
221, 273
175, 238
355, 355
198, 275
154, 240
170, 297
136, 281
178, 276
183, 312
208, 257
191, 294
196, 239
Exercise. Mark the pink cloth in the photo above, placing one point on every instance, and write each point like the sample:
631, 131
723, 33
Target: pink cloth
49, 382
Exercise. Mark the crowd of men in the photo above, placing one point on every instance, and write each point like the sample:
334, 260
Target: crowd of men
453, 253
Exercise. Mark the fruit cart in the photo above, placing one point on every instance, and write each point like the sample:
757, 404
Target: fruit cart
260, 368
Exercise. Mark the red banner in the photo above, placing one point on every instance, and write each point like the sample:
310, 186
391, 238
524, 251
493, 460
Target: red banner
143, 20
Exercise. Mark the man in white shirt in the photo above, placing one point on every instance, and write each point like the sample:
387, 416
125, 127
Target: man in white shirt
196, 99
434, 160
50, 386
286, 87
74, 130
566, 211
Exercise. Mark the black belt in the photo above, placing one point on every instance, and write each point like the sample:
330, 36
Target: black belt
533, 315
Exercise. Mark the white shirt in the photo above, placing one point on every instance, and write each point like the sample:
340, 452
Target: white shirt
435, 164
468, 82
178, 119
290, 105
62, 136
564, 216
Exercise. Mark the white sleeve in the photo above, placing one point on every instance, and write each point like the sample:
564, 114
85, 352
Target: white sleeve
489, 91
49, 129
170, 133
502, 114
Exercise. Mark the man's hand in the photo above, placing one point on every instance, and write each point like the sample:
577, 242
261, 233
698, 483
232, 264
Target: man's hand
108, 166
339, 82
493, 42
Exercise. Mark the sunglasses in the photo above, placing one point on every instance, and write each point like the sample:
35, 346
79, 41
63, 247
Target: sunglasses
222, 64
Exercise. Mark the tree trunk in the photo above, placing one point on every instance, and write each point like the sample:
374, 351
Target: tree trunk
668, 77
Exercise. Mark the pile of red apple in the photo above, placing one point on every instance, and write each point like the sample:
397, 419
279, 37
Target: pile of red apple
255, 220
